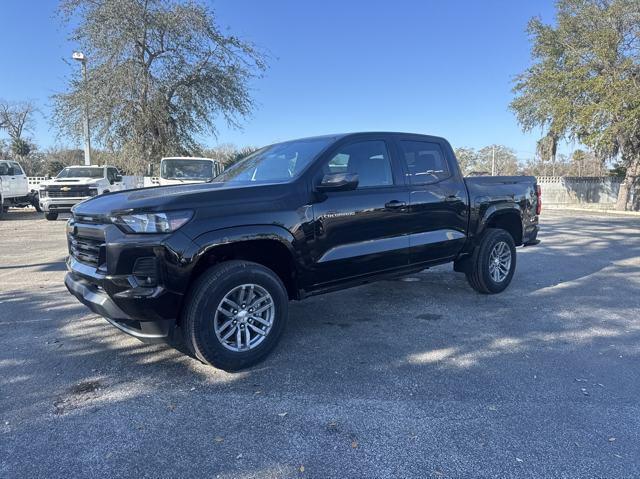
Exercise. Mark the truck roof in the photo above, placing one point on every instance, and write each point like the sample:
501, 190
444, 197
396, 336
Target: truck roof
338, 136
187, 158
89, 166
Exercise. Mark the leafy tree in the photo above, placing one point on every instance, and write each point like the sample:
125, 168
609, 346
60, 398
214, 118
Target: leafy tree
468, 159
480, 162
505, 159
160, 74
584, 83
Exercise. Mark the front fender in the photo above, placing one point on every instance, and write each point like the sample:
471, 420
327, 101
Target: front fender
246, 233
236, 234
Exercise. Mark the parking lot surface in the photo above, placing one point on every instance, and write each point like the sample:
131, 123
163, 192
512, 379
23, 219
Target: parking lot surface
419, 377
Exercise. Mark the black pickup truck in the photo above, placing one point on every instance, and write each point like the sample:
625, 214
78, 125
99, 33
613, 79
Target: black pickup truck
216, 264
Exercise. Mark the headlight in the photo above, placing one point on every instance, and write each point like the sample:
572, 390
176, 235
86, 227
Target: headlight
42, 192
93, 191
152, 222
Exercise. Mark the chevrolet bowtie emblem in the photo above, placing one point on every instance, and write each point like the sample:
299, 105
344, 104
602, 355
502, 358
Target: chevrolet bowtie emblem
65, 188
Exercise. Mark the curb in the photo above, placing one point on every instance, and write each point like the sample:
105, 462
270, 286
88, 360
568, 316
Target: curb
595, 211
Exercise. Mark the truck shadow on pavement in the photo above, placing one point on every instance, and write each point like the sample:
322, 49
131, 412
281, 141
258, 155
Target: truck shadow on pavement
527, 366
42, 267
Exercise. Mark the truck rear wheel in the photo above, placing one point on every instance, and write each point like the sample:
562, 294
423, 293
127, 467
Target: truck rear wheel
235, 314
51, 216
493, 262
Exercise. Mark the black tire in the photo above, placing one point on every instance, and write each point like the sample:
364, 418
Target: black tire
51, 216
206, 294
479, 276
36, 203
3, 208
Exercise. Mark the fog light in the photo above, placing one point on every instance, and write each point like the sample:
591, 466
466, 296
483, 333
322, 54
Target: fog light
145, 271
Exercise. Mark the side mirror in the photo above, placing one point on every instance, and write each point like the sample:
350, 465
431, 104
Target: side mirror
338, 182
118, 178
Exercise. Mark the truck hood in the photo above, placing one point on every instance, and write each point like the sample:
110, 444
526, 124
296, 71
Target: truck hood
72, 181
206, 198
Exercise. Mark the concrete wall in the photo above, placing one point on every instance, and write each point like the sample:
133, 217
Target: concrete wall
583, 192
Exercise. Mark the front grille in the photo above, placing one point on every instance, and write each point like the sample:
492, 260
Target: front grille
86, 250
54, 191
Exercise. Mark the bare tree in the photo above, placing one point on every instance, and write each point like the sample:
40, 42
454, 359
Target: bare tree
17, 118
160, 75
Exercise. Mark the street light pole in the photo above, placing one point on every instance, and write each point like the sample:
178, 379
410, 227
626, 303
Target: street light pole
493, 161
87, 139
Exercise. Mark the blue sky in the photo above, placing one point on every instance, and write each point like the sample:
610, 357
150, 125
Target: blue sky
437, 67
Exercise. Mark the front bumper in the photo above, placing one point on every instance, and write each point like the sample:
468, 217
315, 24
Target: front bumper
98, 301
60, 205
111, 285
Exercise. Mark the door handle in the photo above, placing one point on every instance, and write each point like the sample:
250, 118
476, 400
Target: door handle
452, 198
395, 204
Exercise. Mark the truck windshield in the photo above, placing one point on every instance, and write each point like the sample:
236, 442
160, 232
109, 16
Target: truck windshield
186, 169
81, 173
276, 163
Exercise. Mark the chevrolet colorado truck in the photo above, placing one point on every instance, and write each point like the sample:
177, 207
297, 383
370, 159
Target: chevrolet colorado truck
215, 264
75, 184
14, 188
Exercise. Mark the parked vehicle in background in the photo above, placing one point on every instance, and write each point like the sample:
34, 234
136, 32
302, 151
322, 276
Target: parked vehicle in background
221, 260
14, 188
178, 170
75, 184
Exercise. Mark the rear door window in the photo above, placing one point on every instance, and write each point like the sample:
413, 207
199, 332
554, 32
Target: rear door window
425, 162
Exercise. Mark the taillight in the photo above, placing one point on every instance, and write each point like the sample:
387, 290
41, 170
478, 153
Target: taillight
539, 197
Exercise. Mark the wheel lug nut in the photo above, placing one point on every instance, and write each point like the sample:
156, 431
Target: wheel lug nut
251, 310
243, 305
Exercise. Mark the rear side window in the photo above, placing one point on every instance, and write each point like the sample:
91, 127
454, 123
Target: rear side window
368, 159
425, 162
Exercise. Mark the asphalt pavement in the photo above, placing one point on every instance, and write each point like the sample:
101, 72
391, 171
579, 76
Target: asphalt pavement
417, 377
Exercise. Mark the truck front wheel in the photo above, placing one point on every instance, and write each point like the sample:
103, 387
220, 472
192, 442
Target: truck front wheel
235, 314
493, 262
51, 216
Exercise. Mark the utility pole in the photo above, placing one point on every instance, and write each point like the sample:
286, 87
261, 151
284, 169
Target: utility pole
493, 161
87, 139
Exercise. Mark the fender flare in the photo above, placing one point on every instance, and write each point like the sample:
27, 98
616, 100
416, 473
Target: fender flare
211, 239
496, 210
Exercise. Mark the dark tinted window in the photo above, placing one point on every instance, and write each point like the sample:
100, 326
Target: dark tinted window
368, 159
88, 172
17, 170
425, 162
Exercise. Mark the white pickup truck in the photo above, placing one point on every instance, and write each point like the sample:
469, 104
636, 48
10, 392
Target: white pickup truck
186, 169
14, 188
75, 184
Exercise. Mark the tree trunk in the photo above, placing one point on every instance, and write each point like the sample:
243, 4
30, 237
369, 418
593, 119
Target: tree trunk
627, 185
